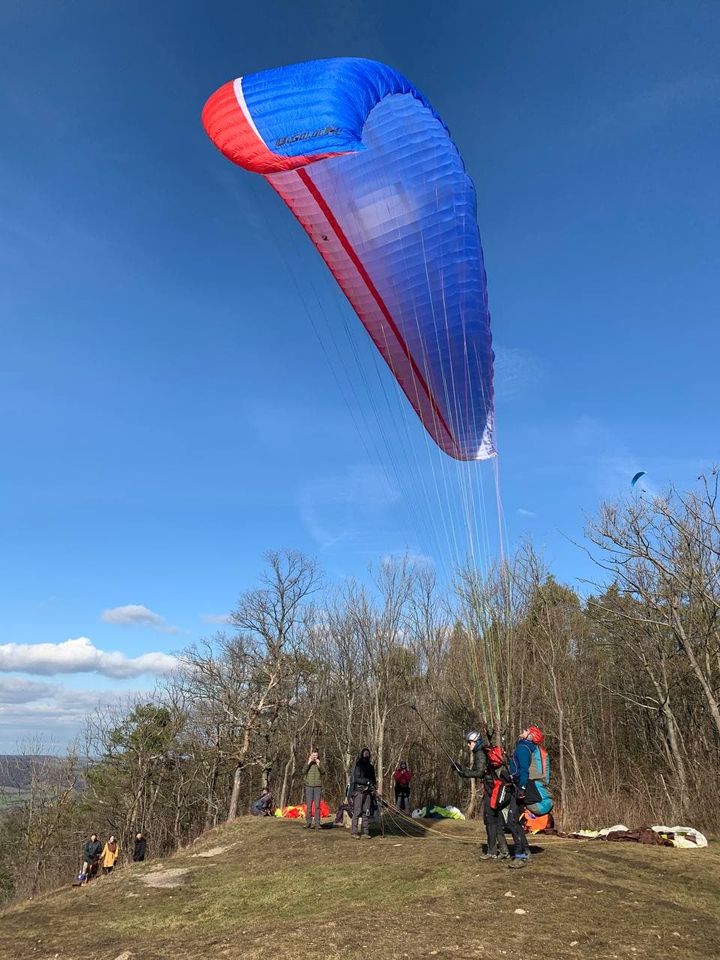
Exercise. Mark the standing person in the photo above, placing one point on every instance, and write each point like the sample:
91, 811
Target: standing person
402, 777
489, 774
92, 852
313, 789
139, 848
520, 763
362, 788
109, 855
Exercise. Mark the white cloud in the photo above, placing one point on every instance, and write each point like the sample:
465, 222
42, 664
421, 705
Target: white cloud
79, 655
526, 513
516, 371
18, 690
346, 506
136, 615
219, 619
55, 721
414, 558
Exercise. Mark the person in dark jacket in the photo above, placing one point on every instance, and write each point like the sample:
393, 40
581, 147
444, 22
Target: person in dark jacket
313, 789
362, 788
92, 851
139, 848
480, 769
264, 806
520, 772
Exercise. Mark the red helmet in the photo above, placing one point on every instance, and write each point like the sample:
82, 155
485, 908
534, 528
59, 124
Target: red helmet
536, 735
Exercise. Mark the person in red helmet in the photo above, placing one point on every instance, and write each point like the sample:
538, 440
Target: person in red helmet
530, 738
536, 735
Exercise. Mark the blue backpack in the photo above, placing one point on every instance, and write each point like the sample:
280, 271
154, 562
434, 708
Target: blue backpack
538, 798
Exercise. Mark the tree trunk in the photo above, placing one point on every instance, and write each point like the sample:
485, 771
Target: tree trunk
472, 803
235, 796
288, 773
210, 803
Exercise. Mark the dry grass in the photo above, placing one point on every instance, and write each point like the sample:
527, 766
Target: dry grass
277, 890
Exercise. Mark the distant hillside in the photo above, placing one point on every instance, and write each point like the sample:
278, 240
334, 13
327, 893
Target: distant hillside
262, 888
16, 770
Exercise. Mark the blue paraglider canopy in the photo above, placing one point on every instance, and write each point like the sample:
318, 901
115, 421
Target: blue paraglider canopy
637, 476
372, 174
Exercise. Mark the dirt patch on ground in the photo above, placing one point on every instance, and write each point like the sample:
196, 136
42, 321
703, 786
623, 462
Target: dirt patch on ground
175, 877
215, 851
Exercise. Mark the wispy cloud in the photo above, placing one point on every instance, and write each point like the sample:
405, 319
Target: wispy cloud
516, 371
219, 619
652, 106
19, 690
79, 655
414, 558
137, 615
346, 507
593, 452
55, 716
526, 513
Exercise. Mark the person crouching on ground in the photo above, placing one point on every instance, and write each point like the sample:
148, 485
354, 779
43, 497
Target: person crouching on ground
313, 790
402, 778
264, 806
362, 790
480, 769
110, 853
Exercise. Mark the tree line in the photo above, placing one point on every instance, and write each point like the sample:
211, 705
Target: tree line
624, 679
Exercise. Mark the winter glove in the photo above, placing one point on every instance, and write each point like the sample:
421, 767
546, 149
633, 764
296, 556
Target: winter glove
457, 768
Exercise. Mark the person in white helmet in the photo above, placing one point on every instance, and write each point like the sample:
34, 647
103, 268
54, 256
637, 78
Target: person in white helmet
481, 769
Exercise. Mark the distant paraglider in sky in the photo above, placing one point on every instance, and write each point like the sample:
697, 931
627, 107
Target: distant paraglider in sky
373, 176
640, 473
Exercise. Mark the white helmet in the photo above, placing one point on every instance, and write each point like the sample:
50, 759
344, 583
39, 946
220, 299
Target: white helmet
472, 736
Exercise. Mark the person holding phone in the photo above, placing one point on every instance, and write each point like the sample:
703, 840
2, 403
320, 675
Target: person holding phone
313, 790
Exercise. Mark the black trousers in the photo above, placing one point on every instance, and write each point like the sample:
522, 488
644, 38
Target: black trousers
495, 826
516, 828
362, 802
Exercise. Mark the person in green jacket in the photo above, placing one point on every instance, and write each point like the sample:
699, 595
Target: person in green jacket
313, 789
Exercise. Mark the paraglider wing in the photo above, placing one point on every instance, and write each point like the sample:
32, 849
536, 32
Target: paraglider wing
637, 476
370, 171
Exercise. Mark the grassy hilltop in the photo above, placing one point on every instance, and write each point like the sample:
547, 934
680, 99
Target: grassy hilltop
262, 887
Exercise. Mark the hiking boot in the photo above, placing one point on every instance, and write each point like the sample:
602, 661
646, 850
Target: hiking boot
365, 836
354, 836
489, 856
518, 863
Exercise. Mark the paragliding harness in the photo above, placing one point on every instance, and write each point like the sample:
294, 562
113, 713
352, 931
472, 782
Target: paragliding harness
500, 786
538, 798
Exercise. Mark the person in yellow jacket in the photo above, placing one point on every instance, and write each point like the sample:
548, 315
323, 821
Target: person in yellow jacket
110, 853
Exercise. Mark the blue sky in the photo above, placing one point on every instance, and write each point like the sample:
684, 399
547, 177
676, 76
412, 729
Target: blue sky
182, 386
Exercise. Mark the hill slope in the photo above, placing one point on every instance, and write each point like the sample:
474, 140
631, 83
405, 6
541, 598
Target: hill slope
262, 887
